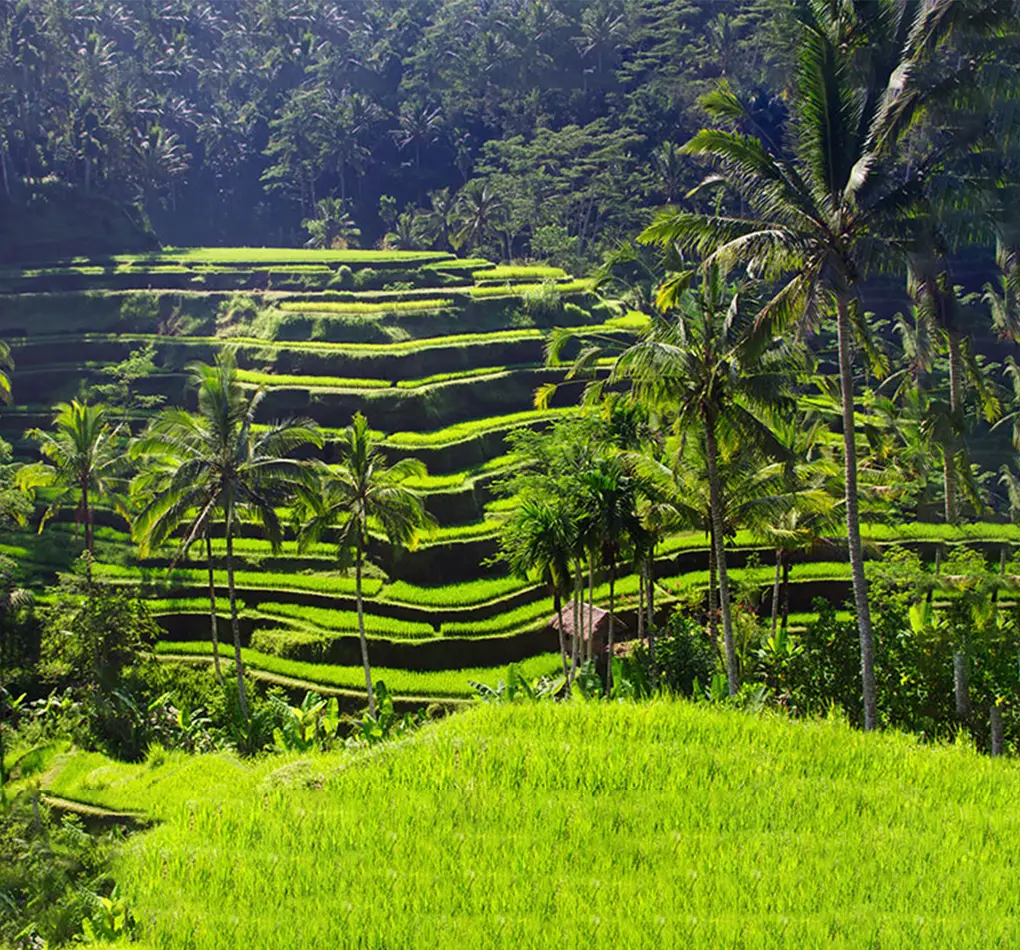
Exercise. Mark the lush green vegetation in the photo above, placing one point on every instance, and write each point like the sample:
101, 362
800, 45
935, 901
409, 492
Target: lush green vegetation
453, 683
786, 833
356, 307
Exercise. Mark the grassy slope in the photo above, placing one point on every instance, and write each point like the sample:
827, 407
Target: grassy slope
578, 825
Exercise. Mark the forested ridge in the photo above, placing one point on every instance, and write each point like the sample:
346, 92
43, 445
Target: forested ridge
518, 128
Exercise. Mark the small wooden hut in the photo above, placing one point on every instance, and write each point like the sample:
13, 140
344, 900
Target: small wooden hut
594, 620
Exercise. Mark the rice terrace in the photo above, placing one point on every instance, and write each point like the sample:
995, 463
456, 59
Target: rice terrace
514, 474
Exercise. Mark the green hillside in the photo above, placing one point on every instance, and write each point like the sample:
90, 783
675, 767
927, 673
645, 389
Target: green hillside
443, 356
574, 825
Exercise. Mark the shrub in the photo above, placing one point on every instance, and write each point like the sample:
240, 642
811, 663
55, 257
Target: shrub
683, 655
365, 277
344, 279
542, 302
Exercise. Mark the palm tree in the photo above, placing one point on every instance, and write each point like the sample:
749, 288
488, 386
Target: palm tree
362, 492
540, 539
609, 499
709, 368
81, 459
820, 205
478, 210
221, 464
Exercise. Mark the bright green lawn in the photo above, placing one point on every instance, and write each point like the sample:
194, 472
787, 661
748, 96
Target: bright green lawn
574, 826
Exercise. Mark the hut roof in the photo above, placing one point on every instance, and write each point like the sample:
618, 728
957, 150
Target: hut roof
597, 614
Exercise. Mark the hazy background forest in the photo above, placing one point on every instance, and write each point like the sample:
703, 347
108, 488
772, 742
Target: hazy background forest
514, 128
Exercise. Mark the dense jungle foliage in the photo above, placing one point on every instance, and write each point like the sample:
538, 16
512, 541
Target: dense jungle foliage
542, 128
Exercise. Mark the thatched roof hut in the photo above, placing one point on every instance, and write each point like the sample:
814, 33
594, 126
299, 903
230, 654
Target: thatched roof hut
593, 619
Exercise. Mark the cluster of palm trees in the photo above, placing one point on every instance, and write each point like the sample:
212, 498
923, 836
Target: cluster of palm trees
896, 149
191, 477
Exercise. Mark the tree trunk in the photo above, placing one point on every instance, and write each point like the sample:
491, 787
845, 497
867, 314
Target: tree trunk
853, 518
558, 599
785, 607
641, 606
961, 682
591, 607
995, 722
212, 608
650, 622
612, 626
87, 509
718, 539
650, 575
235, 627
575, 646
713, 600
775, 590
955, 398
361, 632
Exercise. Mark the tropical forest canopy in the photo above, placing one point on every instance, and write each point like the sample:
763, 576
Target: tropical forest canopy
513, 127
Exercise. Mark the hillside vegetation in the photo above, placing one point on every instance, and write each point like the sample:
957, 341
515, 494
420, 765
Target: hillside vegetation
579, 825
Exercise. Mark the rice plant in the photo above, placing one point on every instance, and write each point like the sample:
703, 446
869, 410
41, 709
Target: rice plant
579, 825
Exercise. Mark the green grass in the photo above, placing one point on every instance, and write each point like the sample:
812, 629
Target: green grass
274, 380
461, 479
505, 623
360, 307
401, 682
468, 594
463, 431
575, 825
448, 377
254, 580
631, 320
275, 255
510, 272
346, 621
515, 290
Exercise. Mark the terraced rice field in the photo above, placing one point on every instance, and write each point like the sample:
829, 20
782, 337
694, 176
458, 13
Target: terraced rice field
442, 355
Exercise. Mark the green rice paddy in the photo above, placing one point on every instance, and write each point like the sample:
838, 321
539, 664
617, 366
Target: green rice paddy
576, 825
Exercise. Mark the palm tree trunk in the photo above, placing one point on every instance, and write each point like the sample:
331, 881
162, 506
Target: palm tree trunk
961, 682
775, 590
713, 610
235, 627
955, 397
612, 627
212, 607
361, 632
650, 575
89, 542
641, 606
649, 622
558, 601
591, 607
785, 609
995, 722
853, 518
718, 540
575, 646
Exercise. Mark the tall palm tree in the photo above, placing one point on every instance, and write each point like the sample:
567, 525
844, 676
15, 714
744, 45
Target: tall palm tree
359, 493
221, 464
819, 205
82, 459
609, 496
708, 366
540, 538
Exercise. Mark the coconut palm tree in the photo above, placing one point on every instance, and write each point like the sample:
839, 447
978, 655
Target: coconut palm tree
540, 539
704, 363
220, 465
609, 501
361, 492
82, 459
818, 206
